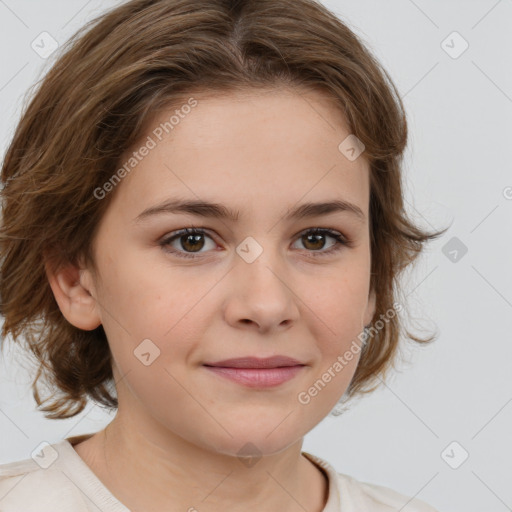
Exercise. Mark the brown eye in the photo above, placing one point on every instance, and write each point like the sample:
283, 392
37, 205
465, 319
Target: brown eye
186, 242
314, 241
193, 243
189, 242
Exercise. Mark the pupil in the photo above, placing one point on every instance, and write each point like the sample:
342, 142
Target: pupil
317, 237
196, 239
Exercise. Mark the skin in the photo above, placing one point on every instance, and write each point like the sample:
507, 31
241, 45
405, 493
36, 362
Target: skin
174, 441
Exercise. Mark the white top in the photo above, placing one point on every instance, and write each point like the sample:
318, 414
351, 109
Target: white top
61, 481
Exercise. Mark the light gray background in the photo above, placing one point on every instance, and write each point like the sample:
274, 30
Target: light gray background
458, 172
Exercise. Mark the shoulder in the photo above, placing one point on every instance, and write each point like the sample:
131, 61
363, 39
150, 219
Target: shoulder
24, 485
378, 498
348, 494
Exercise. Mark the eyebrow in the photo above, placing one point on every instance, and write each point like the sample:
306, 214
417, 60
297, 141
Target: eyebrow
215, 210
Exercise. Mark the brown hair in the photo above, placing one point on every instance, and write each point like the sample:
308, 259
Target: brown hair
92, 106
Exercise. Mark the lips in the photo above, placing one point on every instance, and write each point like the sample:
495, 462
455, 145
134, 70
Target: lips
256, 362
257, 372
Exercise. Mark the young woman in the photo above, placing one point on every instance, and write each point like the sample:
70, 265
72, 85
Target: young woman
203, 227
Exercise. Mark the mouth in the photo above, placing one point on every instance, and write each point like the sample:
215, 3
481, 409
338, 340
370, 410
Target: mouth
257, 372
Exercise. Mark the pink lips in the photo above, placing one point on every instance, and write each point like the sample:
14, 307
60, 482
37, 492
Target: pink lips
257, 372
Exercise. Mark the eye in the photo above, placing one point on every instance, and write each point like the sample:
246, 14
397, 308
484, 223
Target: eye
316, 236
188, 238
191, 241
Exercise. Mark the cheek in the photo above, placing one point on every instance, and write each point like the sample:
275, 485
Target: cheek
156, 322
147, 300
161, 391
336, 306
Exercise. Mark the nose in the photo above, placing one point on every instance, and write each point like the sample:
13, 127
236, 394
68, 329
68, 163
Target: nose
260, 296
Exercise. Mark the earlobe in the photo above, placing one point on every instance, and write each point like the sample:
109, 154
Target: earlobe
74, 293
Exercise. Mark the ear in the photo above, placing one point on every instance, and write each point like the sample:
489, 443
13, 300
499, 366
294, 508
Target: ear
370, 308
74, 292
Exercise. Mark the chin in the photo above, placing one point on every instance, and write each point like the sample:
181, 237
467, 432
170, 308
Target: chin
254, 443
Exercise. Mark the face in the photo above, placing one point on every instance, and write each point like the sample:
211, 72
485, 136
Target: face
260, 284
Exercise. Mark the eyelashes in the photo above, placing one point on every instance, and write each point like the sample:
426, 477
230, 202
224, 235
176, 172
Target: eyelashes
194, 236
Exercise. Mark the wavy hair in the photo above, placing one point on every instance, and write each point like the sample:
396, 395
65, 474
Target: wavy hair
93, 105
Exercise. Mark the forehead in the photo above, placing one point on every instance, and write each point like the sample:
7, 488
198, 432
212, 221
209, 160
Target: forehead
247, 148
291, 117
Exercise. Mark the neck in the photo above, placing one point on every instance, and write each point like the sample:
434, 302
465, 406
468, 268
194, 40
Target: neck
151, 473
